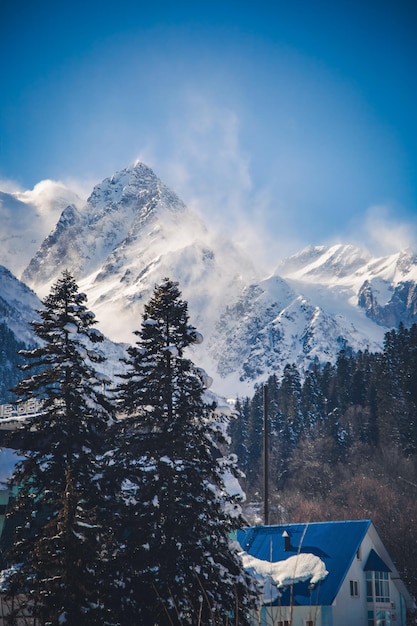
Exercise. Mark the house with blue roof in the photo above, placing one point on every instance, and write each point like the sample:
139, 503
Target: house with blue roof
324, 574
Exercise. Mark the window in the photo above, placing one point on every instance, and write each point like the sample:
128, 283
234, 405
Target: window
377, 587
369, 587
285, 622
354, 588
359, 554
309, 622
382, 618
381, 587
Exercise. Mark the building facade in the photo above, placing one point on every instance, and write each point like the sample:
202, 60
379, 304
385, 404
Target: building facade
325, 574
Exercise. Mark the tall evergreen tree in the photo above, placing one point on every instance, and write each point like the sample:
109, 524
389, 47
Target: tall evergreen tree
312, 402
280, 451
290, 402
60, 507
395, 400
238, 432
178, 565
254, 439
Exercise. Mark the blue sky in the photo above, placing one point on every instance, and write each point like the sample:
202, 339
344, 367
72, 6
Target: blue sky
286, 123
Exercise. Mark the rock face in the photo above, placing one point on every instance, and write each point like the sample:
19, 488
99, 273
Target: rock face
133, 231
98, 237
401, 307
393, 300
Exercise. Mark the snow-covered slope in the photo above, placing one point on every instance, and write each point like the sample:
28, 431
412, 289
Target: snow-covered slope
281, 321
347, 265
18, 306
26, 218
349, 282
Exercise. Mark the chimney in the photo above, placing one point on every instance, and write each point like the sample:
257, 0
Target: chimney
287, 541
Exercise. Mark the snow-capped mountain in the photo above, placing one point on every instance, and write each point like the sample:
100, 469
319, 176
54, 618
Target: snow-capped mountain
133, 231
384, 288
317, 301
130, 234
282, 325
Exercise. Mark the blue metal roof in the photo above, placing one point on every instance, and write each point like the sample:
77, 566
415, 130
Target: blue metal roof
335, 543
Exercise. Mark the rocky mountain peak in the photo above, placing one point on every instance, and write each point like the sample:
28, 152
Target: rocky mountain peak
407, 263
117, 211
133, 187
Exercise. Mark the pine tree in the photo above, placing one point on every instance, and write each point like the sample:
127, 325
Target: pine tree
312, 402
254, 440
177, 562
60, 506
290, 403
238, 432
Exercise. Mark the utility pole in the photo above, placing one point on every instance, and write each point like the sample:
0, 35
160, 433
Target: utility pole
266, 455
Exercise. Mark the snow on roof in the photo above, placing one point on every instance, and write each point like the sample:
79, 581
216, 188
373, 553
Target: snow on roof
335, 543
279, 574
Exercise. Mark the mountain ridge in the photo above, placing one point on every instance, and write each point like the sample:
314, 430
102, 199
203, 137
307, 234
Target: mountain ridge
133, 231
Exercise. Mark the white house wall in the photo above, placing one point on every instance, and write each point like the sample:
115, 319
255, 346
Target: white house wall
270, 615
348, 610
401, 589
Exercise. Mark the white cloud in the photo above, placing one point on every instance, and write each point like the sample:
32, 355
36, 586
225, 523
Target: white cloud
205, 163
27, 218
382, 232
9, 186
50, 198
207, 156
81, 187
